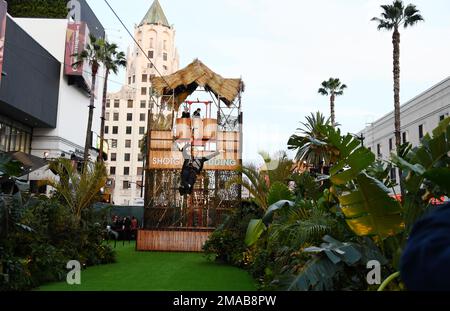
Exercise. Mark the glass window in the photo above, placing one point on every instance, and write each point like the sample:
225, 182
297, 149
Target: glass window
126, 185
142, 117
405, 137
143, 104
391, 144
134, 79
116, 103
106, 129
141, 130
144, 78
116, 116
379, 149
127, 157
421, 131
140, 157
126, 171
113, 143
107, 116
115, 130
112, 170
129, 117
130, 104
165, 56
139, 171
128, 143
113, 157
129, 130
150, 54
108, 103
143, 91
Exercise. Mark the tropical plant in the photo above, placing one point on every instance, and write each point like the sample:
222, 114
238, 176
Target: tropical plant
309, 142
38, 8
78, 190
112, 60
94, 55
394, 16
333, 88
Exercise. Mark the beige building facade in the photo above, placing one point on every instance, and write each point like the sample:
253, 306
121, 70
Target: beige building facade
127, 110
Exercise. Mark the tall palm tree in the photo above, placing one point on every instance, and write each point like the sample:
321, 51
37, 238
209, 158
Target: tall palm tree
333, 88
392, 18
94, 55
113, 60
310, 141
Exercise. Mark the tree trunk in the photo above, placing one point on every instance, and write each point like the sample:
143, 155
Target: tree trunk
396, 43
89, 124
333, 113
102, 126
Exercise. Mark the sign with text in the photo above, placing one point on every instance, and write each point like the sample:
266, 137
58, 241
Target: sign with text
77, 38
165, 154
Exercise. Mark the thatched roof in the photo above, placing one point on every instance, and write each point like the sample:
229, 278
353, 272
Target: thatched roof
185, 81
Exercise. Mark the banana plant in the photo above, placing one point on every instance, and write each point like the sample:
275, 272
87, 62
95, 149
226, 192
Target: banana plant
427, 171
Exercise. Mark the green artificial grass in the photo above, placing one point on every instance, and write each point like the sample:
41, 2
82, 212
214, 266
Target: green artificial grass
151, 271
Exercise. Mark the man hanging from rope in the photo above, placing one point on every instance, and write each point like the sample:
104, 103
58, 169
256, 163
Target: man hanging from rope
192, 167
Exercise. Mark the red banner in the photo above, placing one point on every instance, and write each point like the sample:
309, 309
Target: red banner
3, 9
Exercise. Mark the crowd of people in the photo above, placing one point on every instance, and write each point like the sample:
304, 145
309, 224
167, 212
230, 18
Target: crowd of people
124, 228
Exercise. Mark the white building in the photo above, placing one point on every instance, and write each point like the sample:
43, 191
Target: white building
419, 116
127, 110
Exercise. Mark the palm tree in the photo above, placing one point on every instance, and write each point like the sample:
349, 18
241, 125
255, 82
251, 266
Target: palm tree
113, 60
332, 87
78, 190
310, 141
94, 55
392, 18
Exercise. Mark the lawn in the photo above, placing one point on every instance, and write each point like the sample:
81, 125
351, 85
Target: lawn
149, 271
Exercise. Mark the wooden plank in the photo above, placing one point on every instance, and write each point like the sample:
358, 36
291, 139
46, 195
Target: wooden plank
174, 241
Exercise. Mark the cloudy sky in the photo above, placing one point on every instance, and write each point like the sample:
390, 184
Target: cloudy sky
284, 49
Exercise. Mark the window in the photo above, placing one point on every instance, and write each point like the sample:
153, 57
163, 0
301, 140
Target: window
421, 131
441, 118
139, 171
143, 91
128, 130
126, 185
130, 104
134, 79
115, 130
108, 103
379, 149
165, 67
142, 117
405, 137
152, 76
127, 157
107, 116
391, 144
128, 143
141, 130
150, 65
112, 170
129, 80
113, 157
106, 129
143, 104
126, 171
129, 117
393, 174
165, 56
141, 142
165, 45
150, 54
140, 157
116, 103
144, 78
116, 116
113, 143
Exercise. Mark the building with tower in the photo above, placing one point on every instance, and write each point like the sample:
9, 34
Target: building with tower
127, 109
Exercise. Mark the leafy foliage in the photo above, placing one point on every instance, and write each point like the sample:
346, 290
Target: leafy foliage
37, 8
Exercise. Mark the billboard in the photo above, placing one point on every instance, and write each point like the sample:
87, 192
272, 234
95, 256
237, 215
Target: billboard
77, 38
3, 9
164, 154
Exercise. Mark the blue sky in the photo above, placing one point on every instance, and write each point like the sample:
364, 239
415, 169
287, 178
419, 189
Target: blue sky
284, 49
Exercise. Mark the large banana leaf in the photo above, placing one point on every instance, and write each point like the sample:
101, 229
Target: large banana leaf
370, 211
256, 227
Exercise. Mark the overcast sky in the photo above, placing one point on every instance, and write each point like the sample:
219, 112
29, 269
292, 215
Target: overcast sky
284, 49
